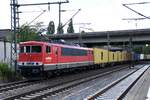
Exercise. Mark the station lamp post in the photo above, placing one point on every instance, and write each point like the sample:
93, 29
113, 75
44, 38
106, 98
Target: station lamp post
108, 43
131, 49
81, 32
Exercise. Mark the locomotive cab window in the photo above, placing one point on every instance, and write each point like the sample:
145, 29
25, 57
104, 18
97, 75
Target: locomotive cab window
27, 49
30, 49
22, 49
48, 49
36, 49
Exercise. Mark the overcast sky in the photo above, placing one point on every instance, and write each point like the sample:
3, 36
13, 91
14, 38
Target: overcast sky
104, 15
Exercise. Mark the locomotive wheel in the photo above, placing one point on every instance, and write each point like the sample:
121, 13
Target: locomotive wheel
49, 74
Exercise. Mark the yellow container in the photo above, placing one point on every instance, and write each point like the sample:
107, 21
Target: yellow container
129, 56
115, 56
100, 55
122, 56
119, 56
111, 58
125, 55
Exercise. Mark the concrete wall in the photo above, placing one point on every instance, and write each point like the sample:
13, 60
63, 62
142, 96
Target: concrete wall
5, 50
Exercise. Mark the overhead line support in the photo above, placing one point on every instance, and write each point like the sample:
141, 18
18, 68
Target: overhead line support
36, 4
137, 3
15, 26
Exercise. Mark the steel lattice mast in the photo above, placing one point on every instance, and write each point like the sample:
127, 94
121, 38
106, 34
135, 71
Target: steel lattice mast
14, 28
15, 25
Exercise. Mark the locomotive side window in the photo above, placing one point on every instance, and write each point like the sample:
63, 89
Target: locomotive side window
36, 49
73, 52
48, 49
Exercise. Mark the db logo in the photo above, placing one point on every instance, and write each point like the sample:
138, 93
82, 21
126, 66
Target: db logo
48, 58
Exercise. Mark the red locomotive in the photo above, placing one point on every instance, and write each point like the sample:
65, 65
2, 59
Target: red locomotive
36, 58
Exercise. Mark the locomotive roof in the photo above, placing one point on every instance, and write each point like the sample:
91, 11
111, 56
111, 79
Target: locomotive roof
32, 42
56, 44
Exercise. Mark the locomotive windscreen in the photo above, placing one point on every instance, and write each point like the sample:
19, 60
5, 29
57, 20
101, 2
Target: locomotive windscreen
30, 49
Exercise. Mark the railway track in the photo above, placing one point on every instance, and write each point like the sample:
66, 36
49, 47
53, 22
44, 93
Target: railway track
122, 86
12, 83
49, 90
15, 85
82, 91
46, 89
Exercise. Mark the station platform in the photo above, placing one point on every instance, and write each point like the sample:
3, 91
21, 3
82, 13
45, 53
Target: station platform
141, 89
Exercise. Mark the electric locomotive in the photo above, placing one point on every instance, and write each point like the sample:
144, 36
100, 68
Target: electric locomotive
40, 58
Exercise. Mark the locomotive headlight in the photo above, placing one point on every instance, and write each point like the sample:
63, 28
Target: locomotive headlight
20, 63
30, 63
38, 63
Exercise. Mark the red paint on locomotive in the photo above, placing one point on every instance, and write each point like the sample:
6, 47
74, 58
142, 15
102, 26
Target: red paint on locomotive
50, 56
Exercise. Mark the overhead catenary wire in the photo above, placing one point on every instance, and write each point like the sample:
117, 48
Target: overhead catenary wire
71, 18
36, 4
37, 17
134, 18
137, 3
125, 5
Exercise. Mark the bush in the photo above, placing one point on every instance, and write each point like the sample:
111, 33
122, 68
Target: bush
7, 74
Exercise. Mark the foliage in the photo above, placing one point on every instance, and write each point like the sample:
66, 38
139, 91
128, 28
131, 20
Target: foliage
142, 49
7, 74
137, 50
51, 28
37, 26
28, 32
60, 29
70, 28
146, 50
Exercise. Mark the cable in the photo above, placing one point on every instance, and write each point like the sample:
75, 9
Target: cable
135, 11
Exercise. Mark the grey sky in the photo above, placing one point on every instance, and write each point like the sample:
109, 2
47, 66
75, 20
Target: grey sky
102, 14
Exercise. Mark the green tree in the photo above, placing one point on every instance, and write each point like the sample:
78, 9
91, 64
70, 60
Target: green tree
51, 28
138, 49
142, 49
37, 26
70, 28
27, 32
146, 49
60, 29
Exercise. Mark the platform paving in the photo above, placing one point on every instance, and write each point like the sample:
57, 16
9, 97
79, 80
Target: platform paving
140, 90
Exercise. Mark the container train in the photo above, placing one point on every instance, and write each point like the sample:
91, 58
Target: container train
42, 58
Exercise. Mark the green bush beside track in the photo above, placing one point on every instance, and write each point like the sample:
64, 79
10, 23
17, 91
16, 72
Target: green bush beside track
7, 74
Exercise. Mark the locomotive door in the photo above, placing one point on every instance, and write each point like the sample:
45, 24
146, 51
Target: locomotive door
55, 56
48, 58
51, 55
